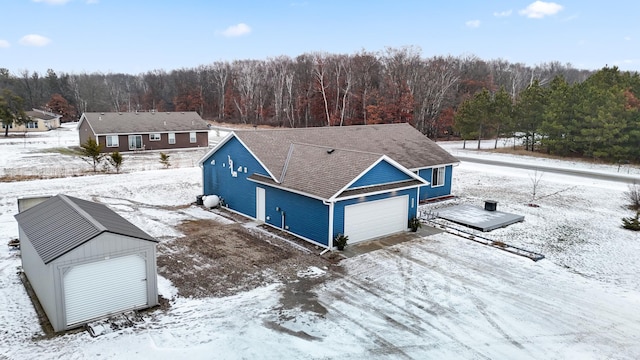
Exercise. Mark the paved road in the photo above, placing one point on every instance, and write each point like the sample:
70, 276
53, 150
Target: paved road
625, 178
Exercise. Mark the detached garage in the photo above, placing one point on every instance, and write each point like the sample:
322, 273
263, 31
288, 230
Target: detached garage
85, 262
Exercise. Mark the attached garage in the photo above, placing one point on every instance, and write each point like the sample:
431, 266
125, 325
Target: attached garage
374, 219
85, 262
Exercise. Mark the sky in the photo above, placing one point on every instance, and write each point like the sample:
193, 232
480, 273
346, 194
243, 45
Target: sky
125, 36
440, 297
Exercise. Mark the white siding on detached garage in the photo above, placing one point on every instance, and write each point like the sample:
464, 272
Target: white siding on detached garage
374, 219
84, 261
120, 264
101, 288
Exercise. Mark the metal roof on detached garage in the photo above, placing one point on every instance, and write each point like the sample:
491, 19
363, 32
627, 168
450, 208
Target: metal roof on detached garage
62, 223
144, 122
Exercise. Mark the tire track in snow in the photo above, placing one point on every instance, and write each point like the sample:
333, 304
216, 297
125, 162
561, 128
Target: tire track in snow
528, 298
386, 347
449, 313
384, 295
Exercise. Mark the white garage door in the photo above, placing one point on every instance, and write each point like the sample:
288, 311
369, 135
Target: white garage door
375, 218
104, 287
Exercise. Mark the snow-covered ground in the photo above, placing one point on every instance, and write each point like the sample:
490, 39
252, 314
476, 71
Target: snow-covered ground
438, 297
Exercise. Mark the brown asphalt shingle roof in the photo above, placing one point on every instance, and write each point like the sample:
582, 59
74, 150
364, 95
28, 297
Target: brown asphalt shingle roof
299, 160
318, 170
144, 122
401, 142
39, 115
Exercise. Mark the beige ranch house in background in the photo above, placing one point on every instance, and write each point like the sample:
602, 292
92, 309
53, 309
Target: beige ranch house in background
39, 120
136, 131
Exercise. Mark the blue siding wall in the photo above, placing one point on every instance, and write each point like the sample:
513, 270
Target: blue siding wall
305, 216
429, 192
338, 217
382, 173
238, 192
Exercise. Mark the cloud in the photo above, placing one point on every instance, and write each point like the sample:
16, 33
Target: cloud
540, 9
4, 44
91, 2
237, 30
52, 2
627, 38
473, 23
34, 40
502, 13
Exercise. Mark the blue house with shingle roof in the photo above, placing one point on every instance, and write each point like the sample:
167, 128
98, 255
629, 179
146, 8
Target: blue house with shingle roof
363, 181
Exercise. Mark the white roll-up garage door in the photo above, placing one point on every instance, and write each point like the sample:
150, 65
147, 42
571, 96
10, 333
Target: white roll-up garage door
375, 218
104, 287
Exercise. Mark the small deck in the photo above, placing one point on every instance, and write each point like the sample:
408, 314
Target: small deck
478, 218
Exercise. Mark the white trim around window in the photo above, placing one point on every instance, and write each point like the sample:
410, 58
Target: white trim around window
172, 138
155, 137
192, 137
112, 141
437, 176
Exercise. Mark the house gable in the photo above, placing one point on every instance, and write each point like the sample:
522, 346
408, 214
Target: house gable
225, 172
381, 173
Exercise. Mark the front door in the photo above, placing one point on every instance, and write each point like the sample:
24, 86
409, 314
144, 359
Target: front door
135, 142
260, 204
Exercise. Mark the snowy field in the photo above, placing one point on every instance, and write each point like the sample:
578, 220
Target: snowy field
439, 297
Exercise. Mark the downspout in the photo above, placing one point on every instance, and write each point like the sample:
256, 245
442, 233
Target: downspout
203, 176
418, 198
331, 205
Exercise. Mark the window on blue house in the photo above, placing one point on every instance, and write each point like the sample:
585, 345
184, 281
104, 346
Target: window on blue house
437, 177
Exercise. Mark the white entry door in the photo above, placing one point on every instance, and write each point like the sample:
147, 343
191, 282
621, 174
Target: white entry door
104, 287
260, 204
378, 218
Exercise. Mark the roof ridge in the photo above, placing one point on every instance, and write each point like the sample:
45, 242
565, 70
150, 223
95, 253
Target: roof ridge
320, 127
338, 148
98, 225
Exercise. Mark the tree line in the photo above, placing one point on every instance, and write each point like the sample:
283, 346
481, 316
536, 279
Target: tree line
312, 89
598, 118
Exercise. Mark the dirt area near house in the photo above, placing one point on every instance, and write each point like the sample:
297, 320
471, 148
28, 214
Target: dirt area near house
216, 259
